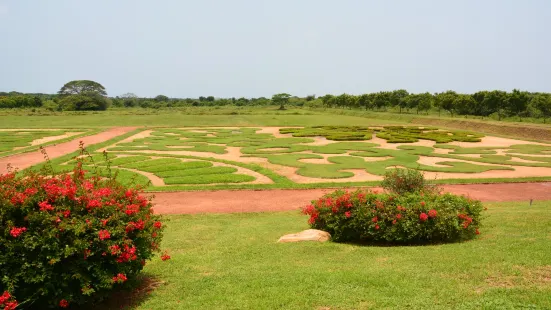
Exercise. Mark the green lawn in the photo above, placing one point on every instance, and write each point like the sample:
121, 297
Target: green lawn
227, 116
232, 261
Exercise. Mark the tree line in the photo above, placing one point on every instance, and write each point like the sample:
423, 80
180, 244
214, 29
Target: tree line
90, 95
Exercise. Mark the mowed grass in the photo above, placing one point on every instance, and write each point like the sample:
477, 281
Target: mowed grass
232, 261
233, 116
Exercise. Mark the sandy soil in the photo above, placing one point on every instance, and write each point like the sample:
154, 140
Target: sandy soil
290, 200
394, 146
490, 141
155, 180
274, 131
54, 138
520, 171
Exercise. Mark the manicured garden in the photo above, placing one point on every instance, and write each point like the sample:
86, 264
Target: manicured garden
13, 141
232, 261
309, 157
400, 250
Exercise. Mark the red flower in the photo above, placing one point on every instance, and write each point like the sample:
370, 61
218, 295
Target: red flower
313, 218
398, 216
104, 234
5, 297
63, 303
45, 206
394, 222
66, 213
128, 254
94, 203
375, 219
120, 278
30, 191
103, 192
158, 224
132, 209
432, 213
10, 305
423, 217
477, 232
16, 231
165, 256
115, 249
104, 222
377, 227
422, 203
347, 214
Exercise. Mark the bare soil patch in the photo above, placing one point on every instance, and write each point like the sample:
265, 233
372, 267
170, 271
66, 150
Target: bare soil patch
54, 138
287, 200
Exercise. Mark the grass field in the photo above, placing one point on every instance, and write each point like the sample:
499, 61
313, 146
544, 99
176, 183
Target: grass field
227, 116
232, 261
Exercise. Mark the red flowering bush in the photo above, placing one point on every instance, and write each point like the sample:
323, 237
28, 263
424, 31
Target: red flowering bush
411, 218
70, 239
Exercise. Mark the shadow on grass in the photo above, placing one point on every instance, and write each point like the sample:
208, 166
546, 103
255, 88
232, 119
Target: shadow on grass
129, 297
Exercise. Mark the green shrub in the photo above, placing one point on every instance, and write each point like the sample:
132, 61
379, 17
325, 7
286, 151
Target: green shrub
71, 239
401, 181
365, 216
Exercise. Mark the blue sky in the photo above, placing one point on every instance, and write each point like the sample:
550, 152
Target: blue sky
254, 48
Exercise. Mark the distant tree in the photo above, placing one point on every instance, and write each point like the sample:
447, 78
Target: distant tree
310, 97
541, 103
84, 101
210, 98
382, 99
446, 101
495, 101
464, 104
83, 95
397, 98
365, 101
327, 100
161, 98
129, 100
282, 99
517, 102
79, 87
426, 101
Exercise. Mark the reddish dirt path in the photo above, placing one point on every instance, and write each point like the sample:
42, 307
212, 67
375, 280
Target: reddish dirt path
26, 160
284, 200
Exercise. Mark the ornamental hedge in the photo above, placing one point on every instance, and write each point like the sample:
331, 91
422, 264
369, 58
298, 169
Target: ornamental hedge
411, 218
71, 239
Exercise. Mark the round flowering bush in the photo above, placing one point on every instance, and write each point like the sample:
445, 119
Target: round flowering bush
411, 218
70, 239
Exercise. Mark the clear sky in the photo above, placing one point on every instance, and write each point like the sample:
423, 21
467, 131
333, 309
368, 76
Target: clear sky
252, 48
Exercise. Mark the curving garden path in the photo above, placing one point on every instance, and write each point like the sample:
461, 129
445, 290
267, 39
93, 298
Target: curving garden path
227, 201
26, 160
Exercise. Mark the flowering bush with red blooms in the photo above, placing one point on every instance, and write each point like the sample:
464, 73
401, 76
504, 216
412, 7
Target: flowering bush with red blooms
411, 218
70, 239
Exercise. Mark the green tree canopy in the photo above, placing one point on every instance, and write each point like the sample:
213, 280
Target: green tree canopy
82, 86
282, 99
